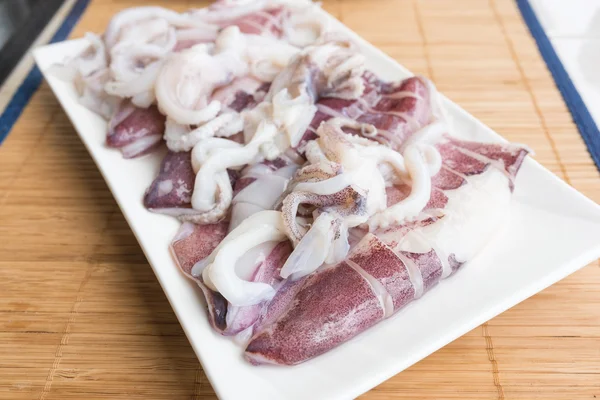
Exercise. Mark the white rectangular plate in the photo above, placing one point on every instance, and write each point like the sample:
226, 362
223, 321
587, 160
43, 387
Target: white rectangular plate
553, 231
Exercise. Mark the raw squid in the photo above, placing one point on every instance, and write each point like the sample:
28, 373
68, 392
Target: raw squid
355, 194
194, 243
397, 110
120, 70
279, 122
134, 130
390, 267
177, 172
260, 187
316, 199
293, 21
89, 73
139, 40
384, 265
190, 86
171, 191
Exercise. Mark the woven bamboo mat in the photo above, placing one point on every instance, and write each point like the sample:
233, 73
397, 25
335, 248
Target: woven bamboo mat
81, 313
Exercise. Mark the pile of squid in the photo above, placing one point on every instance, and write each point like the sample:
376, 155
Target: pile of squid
315, 198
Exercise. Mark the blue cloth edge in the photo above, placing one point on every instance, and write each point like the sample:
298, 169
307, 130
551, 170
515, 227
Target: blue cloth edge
579, 112
33, 80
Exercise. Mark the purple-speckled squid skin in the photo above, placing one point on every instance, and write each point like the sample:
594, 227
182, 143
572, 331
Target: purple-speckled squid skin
136, 131
447, 180
192, 244
430, 266
380, 261
176, 174
508, 157
139, 122
241, 318
416, 109
332, 306
174, 184
279, 304
460, 163
511, 157
377, 106
196, 242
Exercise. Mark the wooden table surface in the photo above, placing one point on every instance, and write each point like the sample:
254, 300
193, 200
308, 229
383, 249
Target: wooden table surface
83, 317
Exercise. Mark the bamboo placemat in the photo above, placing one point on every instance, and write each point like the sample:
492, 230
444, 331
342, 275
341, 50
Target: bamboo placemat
82, 315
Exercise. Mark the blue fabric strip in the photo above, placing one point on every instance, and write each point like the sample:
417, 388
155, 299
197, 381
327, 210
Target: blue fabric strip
33, 80
581, 116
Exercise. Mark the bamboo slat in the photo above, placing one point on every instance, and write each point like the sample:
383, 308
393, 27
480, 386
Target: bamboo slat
81, 313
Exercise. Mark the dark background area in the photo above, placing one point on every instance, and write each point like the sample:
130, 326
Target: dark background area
21, 21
